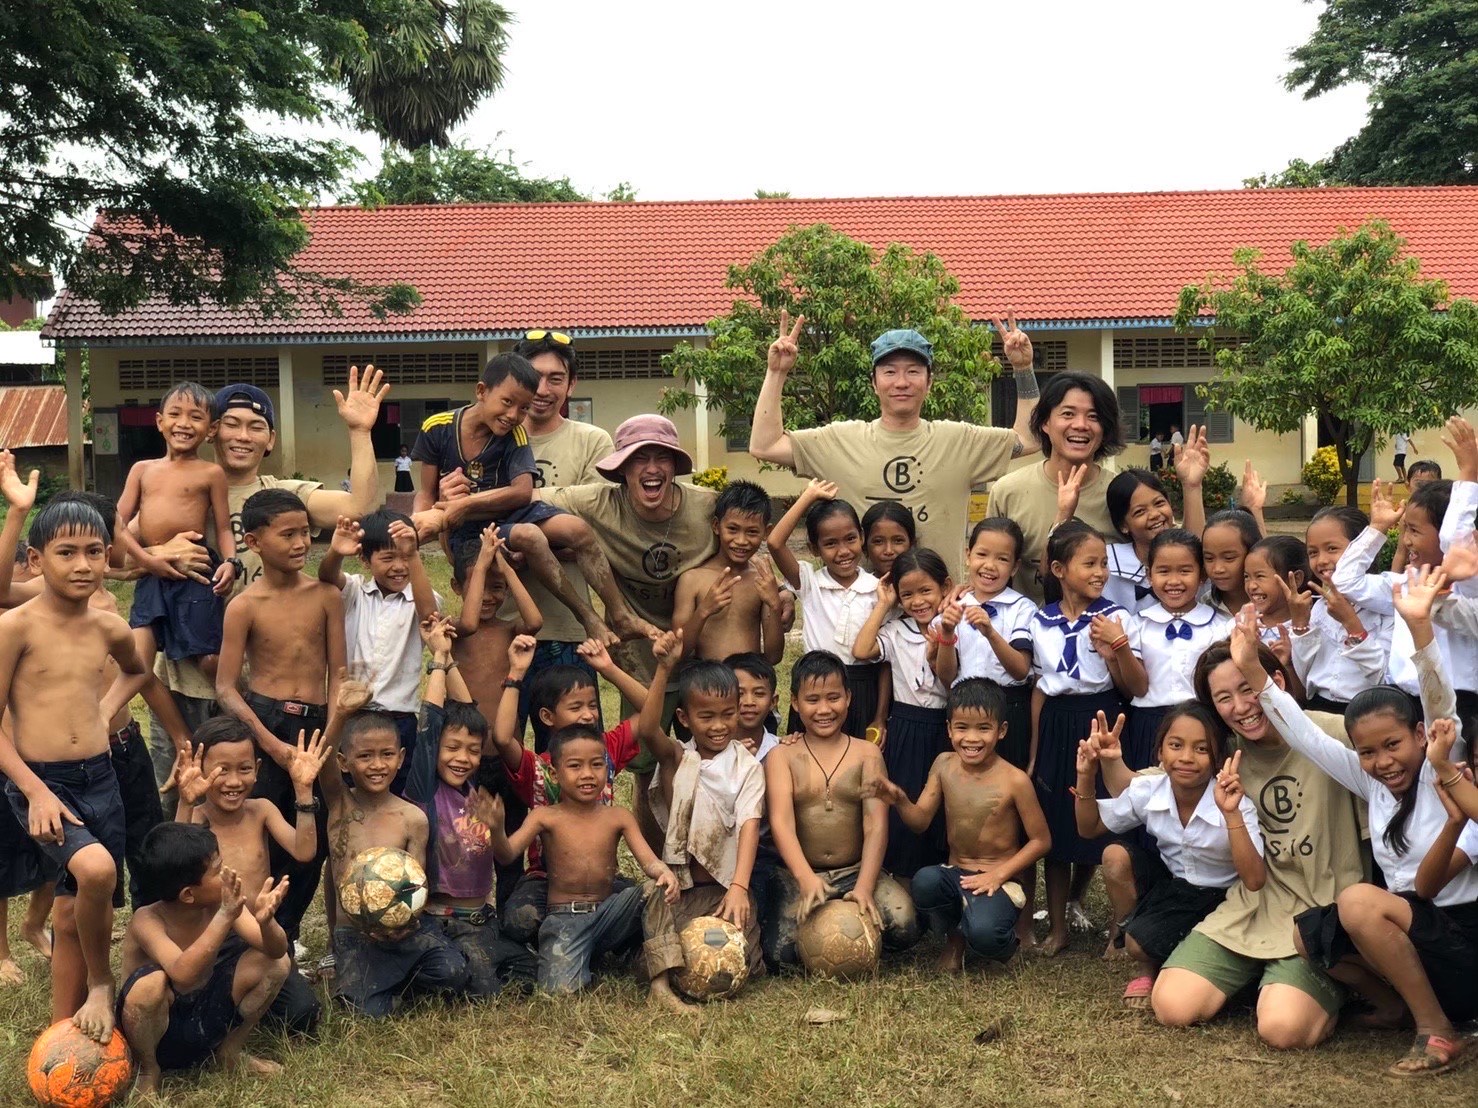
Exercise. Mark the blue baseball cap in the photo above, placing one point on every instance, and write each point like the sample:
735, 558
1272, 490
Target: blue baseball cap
246, 396
908, 341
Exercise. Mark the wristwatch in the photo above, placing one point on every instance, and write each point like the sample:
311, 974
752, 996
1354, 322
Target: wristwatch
235, 563
432, 667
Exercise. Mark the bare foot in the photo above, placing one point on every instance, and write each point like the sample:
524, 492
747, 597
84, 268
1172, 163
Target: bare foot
1056, 943
260, 1067
10, 973
39, 937
952, 957
1026, 938
634, 627
597, 630
662, 996
1114, 951
146, 1084
95, 1018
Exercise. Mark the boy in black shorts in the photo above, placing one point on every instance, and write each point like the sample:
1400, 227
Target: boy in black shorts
60, 779
202, 962
476, 466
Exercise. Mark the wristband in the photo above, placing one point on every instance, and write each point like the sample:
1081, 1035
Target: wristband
1356, 640
513, 682
310, 807
942, 641
1026, 383
433, 667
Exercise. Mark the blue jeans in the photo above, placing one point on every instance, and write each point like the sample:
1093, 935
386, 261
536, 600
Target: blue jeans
569, 942
987, 922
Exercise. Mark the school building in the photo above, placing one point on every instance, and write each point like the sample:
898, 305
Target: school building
1093, 278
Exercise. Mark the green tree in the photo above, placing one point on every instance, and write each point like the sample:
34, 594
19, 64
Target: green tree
770, 194
1298, 174
427, 65
455, 174
623, 193
1420, 59
190, 124
849, 294
1351, 332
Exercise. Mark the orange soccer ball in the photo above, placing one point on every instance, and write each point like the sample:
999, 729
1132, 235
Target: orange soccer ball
68, 1070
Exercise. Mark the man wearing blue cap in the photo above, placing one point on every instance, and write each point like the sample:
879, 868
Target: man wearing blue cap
930, 466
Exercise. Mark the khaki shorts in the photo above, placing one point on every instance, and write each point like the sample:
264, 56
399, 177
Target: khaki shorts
1231, 972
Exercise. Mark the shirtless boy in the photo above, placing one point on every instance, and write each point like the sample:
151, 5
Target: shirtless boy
829, 826
371, 975
290, 629
731, 603
586, 916
484, 580
202, 962
996, 830
60, 779
177, 493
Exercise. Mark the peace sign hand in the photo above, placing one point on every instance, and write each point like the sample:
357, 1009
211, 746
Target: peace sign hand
1069, 486
786, 347
1106, 738
1228, 791
1014, 341
1300, 602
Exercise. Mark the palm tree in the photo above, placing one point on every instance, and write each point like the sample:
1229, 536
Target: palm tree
418, 79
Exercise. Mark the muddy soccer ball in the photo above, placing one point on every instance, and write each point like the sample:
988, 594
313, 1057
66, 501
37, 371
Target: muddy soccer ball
383, 891
716, 957
837, 940
68, 1070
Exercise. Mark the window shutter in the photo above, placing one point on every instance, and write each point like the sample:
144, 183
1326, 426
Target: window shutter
1129, 412
1218, 424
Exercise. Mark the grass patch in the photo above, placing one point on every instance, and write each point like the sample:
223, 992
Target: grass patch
909, 1038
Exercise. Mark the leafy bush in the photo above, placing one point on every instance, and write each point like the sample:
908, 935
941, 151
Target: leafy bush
1321, 475
714, 477
1292, 495
1387, 553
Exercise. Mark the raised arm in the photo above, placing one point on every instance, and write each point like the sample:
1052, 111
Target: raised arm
352, 695
1241, 821
1251, 498
1414, 602
509, 848
505, 723
403, 535
1087, 809
866, 647
767, 438
301, 839
359, 408
778, 540
1018, 350
599, 659
650, 733
188, 968
20, 496
945, 659
1191, 463
345, 543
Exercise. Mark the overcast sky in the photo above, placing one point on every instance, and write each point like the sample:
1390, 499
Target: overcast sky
696, 100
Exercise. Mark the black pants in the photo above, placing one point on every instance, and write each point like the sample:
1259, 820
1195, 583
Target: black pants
274, 784
142, 811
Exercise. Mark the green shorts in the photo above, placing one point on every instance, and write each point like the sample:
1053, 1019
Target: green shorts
1231, 972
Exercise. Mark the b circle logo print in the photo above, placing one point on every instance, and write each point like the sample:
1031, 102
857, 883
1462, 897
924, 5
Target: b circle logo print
902, 474
660, 561
1281, 798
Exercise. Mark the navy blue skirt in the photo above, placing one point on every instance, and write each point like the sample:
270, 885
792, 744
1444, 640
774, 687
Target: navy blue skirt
1139, 735
1016, 747
916, 736
1066, 721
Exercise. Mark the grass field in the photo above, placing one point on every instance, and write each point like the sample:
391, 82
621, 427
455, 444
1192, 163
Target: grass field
1040, 1032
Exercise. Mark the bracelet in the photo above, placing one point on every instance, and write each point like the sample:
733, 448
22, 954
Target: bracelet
736, 885
942, 641
1236, 826
1356, 640
513, 682
1073, 790
439, 667
1119, 643
309, 808
1304, 630
1453, 780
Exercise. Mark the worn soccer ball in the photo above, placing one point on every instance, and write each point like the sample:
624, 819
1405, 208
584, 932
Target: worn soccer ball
716, 957
837, 940
68, 1070
382, 891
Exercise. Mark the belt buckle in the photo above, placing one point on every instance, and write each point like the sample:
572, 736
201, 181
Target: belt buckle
294, 708
583, 908
478, 917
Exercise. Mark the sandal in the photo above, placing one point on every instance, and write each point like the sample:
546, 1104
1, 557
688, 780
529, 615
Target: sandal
1137, 992
1431, 1056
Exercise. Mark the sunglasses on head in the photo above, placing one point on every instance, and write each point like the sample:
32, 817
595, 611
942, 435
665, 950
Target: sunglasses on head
553, 336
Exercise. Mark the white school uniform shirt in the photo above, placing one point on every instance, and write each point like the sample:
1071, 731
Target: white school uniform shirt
383, 635
1063, 657
1427, 818
1011, 615
1200, 851
1457, 525
1129, 580
403, 465
1329, 668
768, 742
1401, 441
904, 647
832, 614
1170, 645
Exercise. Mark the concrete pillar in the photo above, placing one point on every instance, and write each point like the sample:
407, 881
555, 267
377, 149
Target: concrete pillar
287, 414
1106, 355
1310, 436
700, 422
76, 470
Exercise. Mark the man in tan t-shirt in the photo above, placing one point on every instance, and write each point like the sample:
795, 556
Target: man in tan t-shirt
566, 453
930, 466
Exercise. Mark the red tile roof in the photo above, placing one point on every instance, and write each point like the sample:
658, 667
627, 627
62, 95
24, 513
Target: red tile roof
489, 268
33, 415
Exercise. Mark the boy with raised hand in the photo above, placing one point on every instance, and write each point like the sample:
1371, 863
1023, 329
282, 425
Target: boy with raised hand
588, 913
60, 779
202, 962
731, 603
383, 614
709, 797
561, 696
215, 782
372, 974
829, 825
290, 629
476, 466
451, 783
485, 581
996, 830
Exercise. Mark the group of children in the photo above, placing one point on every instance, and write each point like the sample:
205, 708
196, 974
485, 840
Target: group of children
943, 736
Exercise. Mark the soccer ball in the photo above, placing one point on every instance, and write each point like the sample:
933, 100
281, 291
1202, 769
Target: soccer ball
837, 940
68, 1070
716, 957
383, 891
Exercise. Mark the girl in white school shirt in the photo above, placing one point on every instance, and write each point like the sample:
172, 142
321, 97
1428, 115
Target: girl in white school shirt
1085, 664
1367, 938
1170, 634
